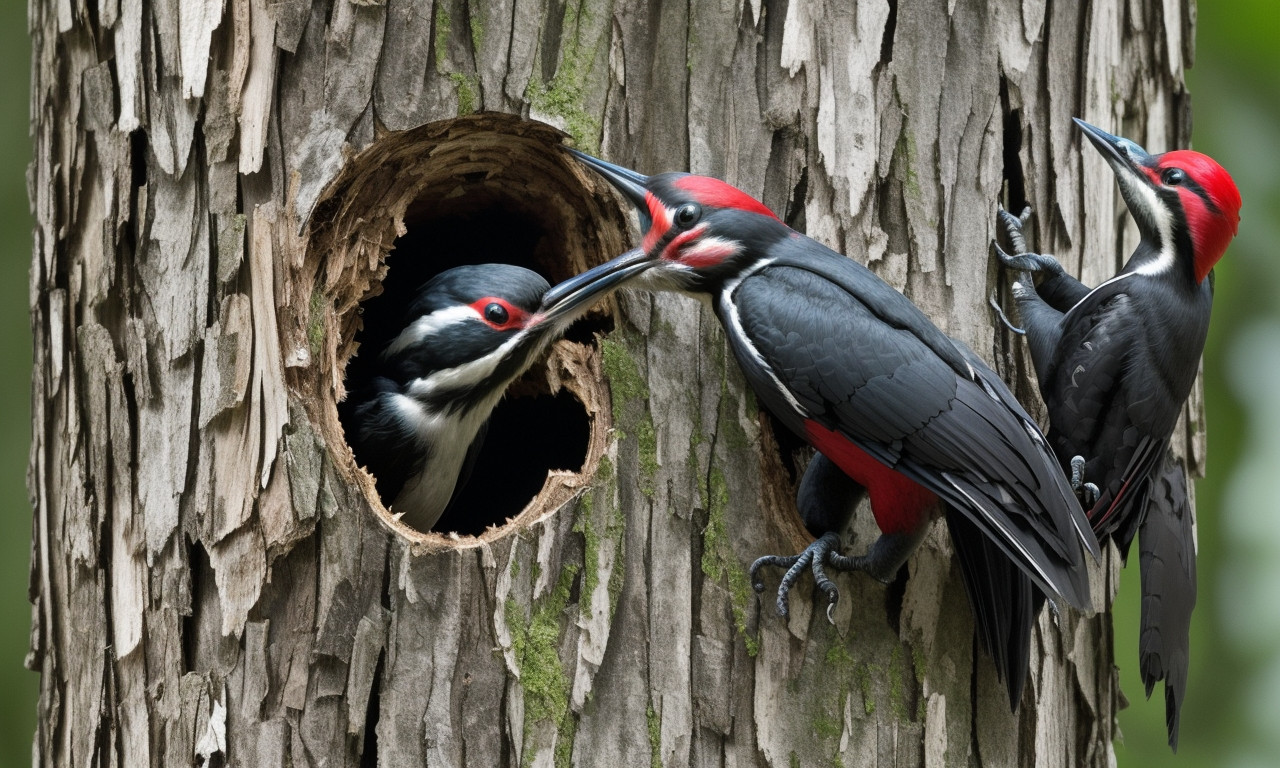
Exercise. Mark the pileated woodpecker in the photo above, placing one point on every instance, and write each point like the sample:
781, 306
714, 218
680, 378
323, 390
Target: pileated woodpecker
419, 424
1115, 365
893, 406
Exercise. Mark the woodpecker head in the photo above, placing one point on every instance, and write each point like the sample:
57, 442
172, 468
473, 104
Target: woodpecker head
1186, 206
697, 233
470, 331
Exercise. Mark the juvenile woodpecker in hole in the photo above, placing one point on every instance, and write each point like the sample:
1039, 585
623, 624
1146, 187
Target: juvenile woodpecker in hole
895, 408
419, 423
1115, 365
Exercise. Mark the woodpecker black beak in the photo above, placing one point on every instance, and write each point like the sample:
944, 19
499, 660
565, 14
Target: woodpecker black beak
1129, 162
1121, 153
579, 292
632, 185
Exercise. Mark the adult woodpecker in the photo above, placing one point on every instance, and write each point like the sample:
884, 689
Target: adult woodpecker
894, 407
1115, 365
419, 423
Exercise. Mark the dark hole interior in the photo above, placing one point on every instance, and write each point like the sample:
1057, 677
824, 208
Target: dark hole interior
528, 435
531, 431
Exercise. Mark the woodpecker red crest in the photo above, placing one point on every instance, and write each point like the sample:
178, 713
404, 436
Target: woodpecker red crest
896, 408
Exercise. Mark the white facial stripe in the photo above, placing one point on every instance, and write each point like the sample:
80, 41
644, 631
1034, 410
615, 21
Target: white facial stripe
429, 324
1141, 192
425, 495
1162, 263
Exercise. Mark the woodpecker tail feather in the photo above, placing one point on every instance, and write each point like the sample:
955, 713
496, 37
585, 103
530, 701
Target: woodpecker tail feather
1003, 599
1022, 502
1166, 550
1121, 508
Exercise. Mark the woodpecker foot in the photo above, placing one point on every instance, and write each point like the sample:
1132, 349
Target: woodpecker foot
817, 557
1087, 492
1027, 262
1021, 259
1014, 226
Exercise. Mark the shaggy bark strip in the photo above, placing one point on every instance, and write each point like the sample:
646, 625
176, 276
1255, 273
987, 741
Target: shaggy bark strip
215, 187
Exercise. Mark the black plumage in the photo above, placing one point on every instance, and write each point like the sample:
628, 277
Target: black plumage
895, 407
1115, 365
1167, 555
1113, 383
869, 365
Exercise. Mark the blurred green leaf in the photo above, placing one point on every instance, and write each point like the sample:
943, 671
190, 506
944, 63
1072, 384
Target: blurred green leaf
18, 705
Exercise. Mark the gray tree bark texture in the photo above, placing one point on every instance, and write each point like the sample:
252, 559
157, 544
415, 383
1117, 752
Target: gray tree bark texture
216, 184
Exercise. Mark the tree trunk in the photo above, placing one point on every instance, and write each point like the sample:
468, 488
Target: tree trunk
217, 184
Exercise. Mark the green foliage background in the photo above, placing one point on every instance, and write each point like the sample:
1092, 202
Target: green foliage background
18, 702
1232, 713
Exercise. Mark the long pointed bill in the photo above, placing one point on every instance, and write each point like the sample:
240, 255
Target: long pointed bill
1137, 179
1121, 153
632, 185
576, 294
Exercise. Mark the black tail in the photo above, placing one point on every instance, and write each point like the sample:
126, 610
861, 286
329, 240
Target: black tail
1003, 599
1167, 554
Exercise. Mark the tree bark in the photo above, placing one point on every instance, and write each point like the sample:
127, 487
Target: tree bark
216, 185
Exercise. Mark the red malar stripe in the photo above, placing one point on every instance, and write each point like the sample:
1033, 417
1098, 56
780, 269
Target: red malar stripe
661, 222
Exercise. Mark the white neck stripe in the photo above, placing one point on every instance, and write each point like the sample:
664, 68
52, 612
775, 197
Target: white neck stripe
1163, 221
731, 317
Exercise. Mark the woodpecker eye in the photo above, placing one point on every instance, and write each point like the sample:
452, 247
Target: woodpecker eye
496, 314
687, 215
1173, 177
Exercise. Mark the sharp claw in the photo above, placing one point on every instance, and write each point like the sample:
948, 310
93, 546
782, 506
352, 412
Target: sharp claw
1087, 492
789, 580
793, 565
1022, 259
1013, 228
824, 584
1077, 472
816, 556
1003, 317
1001, 256
757, 583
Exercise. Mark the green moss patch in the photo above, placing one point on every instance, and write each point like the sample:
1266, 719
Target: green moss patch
565, 95
535, 643
718, 560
